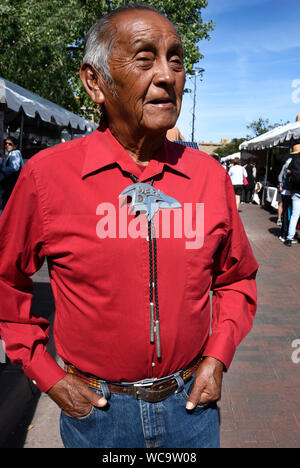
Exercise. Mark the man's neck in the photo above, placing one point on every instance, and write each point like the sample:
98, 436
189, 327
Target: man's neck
141, 148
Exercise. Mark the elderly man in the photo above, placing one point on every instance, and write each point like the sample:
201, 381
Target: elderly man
131, 282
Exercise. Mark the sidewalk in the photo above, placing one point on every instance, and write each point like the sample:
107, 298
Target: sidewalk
260, 402
260, 406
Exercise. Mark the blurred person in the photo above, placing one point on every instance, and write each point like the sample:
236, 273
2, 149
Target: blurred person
294, 171
249, 188
285, 191
10, 168
254, 170
237, 174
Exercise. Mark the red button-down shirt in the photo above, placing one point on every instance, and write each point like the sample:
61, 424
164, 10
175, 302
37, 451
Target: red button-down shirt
66, 208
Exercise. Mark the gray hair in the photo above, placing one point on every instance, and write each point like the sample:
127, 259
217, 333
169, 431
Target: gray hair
101, 38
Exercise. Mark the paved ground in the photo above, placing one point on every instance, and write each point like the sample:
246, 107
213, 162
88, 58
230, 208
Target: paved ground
260, 403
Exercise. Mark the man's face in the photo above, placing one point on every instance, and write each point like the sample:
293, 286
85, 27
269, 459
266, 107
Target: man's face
147, 68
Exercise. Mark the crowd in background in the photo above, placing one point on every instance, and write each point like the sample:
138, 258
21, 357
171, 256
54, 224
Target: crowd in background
245, 180
248, 187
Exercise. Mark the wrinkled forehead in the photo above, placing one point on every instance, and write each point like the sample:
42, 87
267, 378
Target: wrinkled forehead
143, 25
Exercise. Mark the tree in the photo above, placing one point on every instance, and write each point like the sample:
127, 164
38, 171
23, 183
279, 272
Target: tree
41, 43
231, 147
261, 126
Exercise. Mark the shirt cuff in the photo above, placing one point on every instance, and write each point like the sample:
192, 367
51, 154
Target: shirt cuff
220, 347
44, 372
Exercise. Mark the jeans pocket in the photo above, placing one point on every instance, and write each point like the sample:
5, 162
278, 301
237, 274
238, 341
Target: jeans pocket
185, 394
90, 413
81, 418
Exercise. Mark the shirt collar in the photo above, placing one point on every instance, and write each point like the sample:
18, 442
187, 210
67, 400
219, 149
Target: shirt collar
103, 151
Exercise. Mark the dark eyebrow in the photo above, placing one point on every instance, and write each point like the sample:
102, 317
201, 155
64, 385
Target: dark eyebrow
177, 46
144, 44
141, 43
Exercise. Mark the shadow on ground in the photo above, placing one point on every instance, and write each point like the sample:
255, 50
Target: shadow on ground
18, 396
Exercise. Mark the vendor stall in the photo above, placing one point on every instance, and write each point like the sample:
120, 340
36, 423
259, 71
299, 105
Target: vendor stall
26, 113
271, 196
284, 136
230, 157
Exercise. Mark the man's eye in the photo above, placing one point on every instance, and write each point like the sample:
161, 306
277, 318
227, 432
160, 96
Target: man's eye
176, 60
176, 63
144, 58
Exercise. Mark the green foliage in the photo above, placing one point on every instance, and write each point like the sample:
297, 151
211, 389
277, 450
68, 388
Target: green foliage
41, 42
261, 126
258, 127
231, 148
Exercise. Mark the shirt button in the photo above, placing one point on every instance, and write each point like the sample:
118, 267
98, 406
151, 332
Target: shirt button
153, 364
34, 382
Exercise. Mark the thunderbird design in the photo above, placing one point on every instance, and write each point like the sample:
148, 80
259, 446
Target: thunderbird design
147, 199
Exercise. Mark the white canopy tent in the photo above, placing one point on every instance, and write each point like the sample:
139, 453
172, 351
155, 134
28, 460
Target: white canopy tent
284, 134
230, 157
20, 108
16, 98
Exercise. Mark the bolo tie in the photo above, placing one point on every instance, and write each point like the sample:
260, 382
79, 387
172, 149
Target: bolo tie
145, 198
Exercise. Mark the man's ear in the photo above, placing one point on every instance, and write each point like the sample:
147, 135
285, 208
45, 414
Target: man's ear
92, 82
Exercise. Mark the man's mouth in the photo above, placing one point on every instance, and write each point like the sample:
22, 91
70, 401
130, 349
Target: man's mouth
162, 102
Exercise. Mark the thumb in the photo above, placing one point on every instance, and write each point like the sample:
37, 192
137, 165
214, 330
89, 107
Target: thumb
95, 399
194, 398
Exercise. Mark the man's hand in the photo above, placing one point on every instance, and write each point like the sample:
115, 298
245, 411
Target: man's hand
208, 383
74, 397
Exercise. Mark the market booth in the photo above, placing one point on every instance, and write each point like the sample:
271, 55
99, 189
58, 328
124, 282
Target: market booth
283, 137
230, 157
36, 120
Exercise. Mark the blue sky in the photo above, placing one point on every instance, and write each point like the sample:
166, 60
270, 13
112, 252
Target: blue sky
252, 68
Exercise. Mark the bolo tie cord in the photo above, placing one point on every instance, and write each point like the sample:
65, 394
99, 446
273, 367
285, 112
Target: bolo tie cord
153, 298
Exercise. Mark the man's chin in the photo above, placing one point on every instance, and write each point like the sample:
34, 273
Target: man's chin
159, 127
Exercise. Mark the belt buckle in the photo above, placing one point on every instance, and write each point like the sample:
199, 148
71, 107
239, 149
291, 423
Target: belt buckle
138, 392
139, 389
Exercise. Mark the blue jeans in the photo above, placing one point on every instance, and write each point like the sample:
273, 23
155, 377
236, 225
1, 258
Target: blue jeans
130, 423
295, 216
286, 214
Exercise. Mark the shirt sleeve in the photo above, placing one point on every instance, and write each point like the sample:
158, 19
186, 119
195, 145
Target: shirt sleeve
23, 248
234, 289
14, 163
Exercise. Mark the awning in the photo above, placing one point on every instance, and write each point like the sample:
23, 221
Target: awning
230, 157
15, 97
280, 135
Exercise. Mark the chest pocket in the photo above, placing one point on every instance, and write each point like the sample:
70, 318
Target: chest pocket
199, 265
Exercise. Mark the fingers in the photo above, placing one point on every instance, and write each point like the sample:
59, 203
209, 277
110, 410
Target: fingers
207, 384
94, 399
200, 395
74, 397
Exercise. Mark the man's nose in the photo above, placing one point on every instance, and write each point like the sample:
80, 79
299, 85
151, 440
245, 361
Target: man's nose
164, 75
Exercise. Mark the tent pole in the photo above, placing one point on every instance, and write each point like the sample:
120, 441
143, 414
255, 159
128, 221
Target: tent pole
1, 133
21, 130
267, 164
